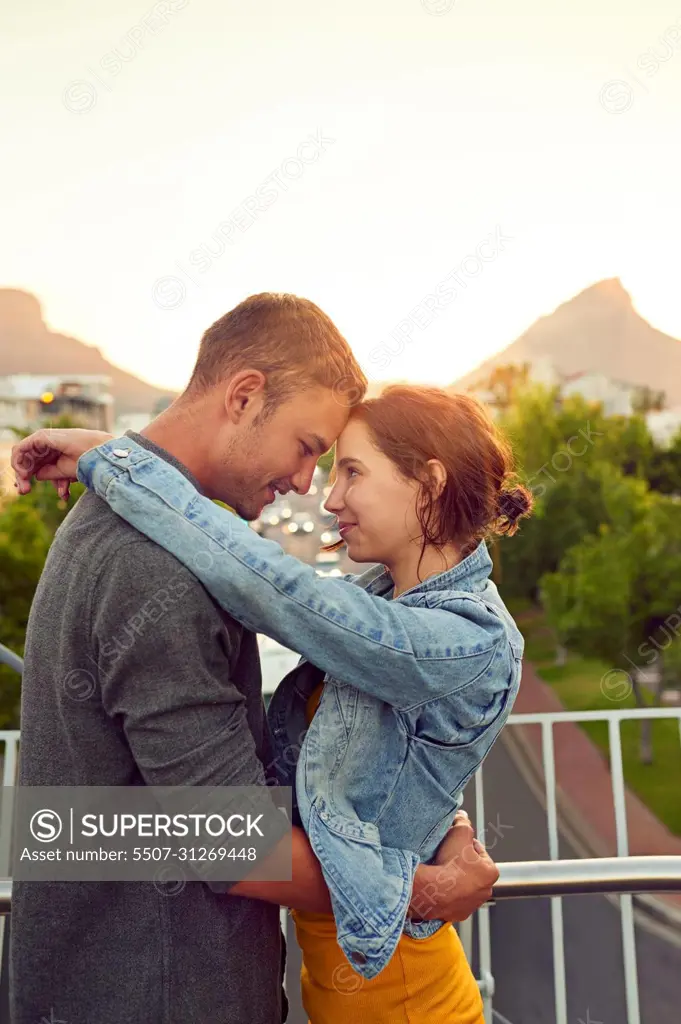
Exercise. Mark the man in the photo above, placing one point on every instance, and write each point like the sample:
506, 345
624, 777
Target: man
134, 676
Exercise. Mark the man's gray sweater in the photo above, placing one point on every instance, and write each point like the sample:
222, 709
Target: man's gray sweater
134, 676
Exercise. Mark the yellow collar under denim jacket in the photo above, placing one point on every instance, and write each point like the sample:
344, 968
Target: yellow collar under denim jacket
416, 688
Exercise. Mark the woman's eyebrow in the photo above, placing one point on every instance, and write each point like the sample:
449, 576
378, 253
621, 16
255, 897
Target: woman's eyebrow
346, 460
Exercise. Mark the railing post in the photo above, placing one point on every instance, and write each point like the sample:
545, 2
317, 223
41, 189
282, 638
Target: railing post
557, 935
9, 771
4, 974
628, 933
484, 938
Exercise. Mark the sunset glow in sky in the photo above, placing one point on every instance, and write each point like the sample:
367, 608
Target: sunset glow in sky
462, 166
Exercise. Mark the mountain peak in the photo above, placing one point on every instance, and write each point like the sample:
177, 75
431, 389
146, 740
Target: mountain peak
597, 331
27, 345
609, 290
20, 310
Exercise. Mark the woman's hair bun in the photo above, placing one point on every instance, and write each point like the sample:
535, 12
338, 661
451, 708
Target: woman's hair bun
512, 505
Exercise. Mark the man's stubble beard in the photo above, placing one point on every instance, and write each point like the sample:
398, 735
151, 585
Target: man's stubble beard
245, 497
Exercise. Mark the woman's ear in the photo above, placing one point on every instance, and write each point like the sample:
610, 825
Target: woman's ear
438, 476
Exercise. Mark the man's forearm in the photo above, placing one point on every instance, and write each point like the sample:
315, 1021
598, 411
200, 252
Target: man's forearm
307, 889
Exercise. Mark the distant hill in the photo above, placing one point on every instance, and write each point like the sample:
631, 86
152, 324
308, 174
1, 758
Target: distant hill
597, 331
27, 345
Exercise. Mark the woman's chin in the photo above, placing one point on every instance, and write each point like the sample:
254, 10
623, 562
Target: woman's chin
358, 554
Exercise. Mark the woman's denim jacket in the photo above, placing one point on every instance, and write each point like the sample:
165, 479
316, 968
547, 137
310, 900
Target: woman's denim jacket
417, 689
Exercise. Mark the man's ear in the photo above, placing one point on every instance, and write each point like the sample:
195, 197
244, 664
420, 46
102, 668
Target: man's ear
245, 395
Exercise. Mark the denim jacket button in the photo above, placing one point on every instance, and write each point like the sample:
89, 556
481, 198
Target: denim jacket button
358, 957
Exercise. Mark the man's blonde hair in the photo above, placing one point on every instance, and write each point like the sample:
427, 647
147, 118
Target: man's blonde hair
289, 339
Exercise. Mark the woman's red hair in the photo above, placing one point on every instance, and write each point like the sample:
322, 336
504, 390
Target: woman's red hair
481, 497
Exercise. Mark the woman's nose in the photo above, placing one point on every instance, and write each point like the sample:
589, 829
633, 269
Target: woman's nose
333, 503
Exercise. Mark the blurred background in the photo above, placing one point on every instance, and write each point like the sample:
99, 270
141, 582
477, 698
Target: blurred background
482, 197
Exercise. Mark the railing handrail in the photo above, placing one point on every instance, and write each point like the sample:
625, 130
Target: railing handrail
589, 875
8, 657
604, 714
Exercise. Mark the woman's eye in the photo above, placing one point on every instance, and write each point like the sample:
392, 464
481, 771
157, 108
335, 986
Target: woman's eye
351, 470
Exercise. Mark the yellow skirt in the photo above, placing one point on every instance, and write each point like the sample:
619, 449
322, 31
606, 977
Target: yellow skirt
426, 980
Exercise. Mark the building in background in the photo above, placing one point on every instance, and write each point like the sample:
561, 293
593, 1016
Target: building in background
136, 421
30, 400
664, 425
616, 397
543, 370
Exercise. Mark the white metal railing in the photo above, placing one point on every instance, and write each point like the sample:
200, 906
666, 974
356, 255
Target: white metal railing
555, 878
520, 880
8, 657
10, 739
276, 661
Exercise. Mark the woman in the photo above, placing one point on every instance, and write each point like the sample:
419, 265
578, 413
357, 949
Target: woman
412, 669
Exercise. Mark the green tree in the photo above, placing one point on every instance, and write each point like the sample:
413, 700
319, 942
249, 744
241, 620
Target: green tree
647, 399
24, 543
614, 591
532, 426
504, 383
627, 444
570, 455
671, 664
325, 462
27, 526
664, 470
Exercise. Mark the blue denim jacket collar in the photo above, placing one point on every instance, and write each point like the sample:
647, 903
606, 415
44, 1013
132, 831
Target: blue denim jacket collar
471, 571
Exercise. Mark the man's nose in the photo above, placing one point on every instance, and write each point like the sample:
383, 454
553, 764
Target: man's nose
302, 481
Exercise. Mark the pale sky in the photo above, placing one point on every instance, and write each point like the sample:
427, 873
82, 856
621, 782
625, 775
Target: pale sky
128, 137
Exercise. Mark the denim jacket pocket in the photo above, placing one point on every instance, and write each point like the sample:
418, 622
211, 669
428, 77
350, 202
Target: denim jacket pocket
449, 743
482, 728
350, 828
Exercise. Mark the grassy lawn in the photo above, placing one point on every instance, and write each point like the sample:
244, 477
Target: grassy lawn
577, 684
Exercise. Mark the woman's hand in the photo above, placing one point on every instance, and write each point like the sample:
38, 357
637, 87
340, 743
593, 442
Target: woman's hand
52, 454
459, 881
459, 840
